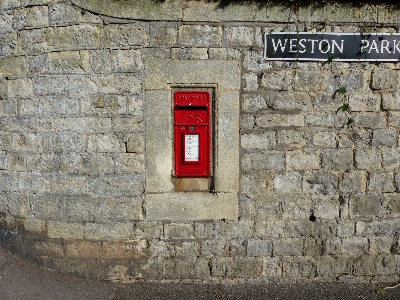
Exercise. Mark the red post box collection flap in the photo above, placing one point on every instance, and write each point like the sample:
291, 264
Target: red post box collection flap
192, 132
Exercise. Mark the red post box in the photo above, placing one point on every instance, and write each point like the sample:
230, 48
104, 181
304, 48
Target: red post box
192, 133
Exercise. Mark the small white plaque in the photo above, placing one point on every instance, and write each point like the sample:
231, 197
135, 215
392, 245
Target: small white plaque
191, 147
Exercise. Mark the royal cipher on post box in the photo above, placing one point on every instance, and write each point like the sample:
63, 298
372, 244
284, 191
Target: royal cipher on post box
192, 133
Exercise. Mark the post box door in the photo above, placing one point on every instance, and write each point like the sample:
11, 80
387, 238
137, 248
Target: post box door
192, 133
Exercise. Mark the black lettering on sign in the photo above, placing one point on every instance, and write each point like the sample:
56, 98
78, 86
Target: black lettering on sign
308, 46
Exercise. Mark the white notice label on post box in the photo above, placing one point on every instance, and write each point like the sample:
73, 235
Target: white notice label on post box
191, 147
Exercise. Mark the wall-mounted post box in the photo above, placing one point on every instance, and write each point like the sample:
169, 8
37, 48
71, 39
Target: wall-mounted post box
192, 131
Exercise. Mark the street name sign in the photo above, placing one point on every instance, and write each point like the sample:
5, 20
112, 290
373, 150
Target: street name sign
309, 46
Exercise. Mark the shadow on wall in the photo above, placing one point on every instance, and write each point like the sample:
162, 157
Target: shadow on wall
301, 3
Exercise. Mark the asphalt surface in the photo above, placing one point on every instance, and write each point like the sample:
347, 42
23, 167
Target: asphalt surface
20, 279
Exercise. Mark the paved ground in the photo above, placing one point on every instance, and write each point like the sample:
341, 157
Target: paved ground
20, 279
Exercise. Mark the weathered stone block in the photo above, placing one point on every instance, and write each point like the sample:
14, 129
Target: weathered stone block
346, 229
9, 43
289, 182
292, 139
198, 11
328, 101
259, 248
163, 34
108, 231
148, 230
167, 10
62, 13
118, 84
390, 158
254, 103
296, 207
272, 267
105, 143
224, 54
259, 141
64, 183
382, 245
326, 139
64, 230
253, 184
35, 16
49, 248
391, 101
82, 249
13, 66
126, 60
135, 144
263, 161
277, 81
368, 159
288, 247
36, 40
370, 120
381, 182
31, 142
234, 229
278, 120
365, 206
310, 80
130, 162
254, 62
337, 159
212, 248
328, 266
320, 183
290, 101
123, 35
69, 62
178, 231
38, 64
364, 102
116, 185
50, 85
251, 82
393, 202
3, 160
78, 36
100, 61
222, 266
20, 88
313, 247
300, 160
189, 53
266, 208
384, 137
65, 106
8, 107
299, 267
65, 142
353, 182
239, 36
385, 80
248, 267
113, 250
200, 35
83, 125
377, 265
83, 86
326, 207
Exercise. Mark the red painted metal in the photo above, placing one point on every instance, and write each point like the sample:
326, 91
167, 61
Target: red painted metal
192, 132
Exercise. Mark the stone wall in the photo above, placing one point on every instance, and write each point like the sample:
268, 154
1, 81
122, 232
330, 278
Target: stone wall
301, 194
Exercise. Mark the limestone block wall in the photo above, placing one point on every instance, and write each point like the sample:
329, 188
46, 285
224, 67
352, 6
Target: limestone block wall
305, 190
